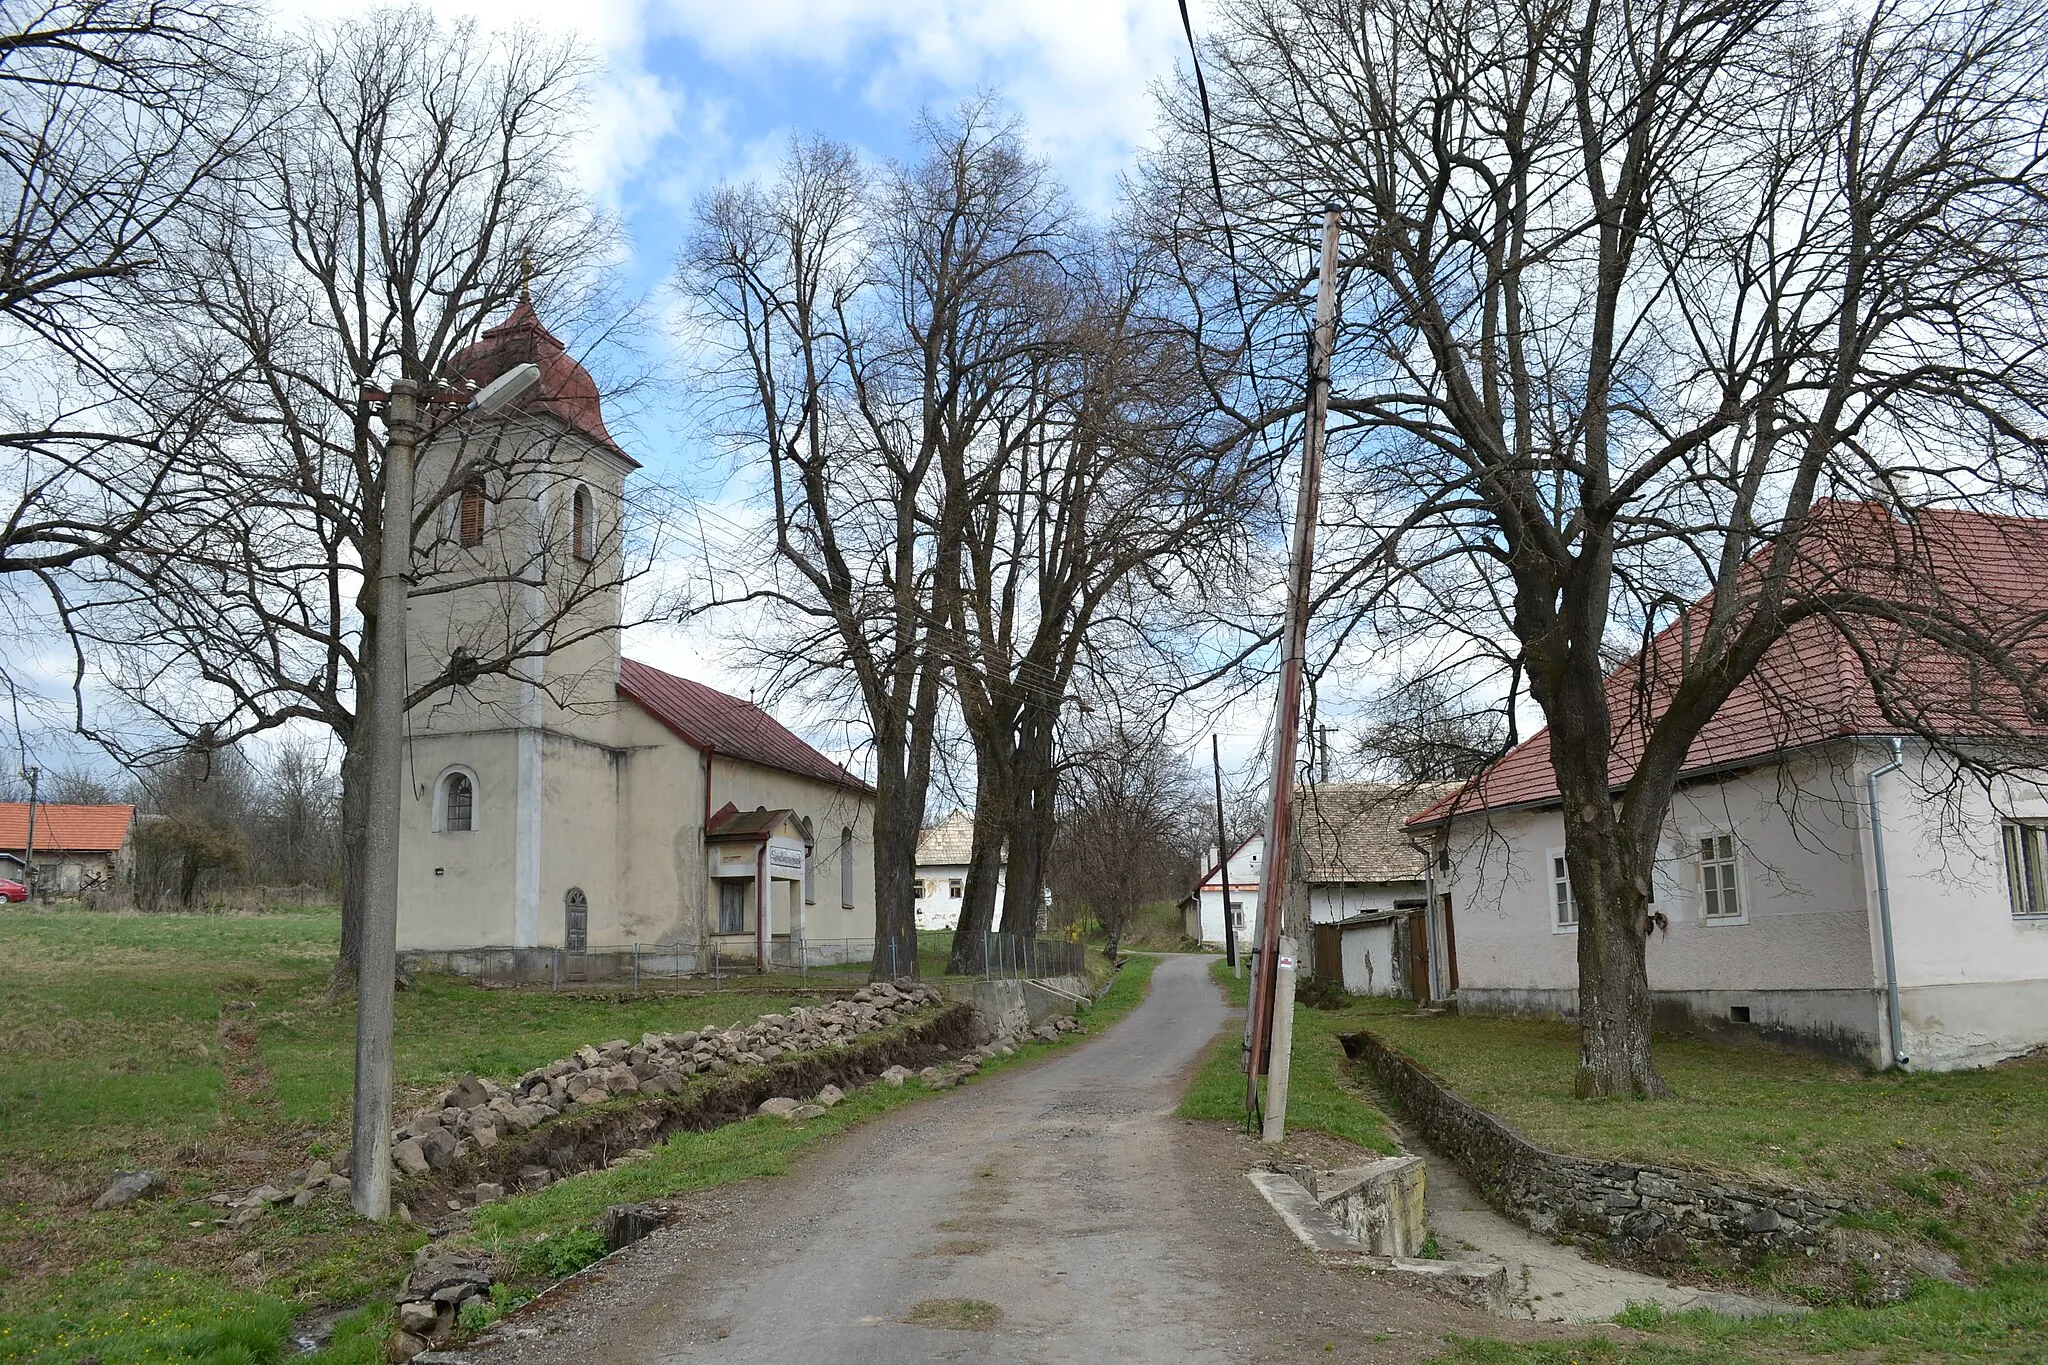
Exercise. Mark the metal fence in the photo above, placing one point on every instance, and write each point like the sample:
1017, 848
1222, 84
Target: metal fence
1022, 957
726, 964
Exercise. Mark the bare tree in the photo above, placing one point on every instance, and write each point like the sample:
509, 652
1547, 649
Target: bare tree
1633, 298
116, 116
414, 186
1112, 488
869, 325
1131, 825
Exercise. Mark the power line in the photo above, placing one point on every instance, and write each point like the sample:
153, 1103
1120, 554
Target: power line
1187, 25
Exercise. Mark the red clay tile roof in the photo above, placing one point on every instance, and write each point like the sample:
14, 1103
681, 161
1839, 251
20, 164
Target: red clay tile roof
565, 391
709, 719
1985, 575
66, 829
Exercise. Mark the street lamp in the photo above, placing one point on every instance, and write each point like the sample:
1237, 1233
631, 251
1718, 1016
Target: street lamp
382, 715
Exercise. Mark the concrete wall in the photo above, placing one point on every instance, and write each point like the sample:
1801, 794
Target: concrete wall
1973, 979
1371, 962
1805, 959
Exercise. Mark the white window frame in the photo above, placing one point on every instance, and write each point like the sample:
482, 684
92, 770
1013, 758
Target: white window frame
2027, 903
476, 801
1738, 870
1552, 860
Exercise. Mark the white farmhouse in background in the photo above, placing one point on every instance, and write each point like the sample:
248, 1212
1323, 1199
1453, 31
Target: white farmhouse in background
942, 853
1202, 909
1768, 913
1366, 880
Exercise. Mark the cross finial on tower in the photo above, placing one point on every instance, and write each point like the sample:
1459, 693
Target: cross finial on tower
525, 276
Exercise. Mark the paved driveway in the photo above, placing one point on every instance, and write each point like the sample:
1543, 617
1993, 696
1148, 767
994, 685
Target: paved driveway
1065, 1194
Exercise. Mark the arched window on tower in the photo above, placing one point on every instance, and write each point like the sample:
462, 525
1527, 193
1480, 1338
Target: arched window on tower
458, 803
469, 512
582, 528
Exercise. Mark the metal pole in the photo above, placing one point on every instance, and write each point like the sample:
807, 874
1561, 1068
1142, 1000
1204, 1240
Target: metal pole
1222, 862
636, 969
1294, 645
384, 712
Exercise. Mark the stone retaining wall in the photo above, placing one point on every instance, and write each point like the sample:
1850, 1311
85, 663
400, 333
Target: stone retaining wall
1628, 1211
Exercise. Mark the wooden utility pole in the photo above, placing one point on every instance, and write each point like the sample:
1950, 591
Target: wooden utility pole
1222, 860
1269, 978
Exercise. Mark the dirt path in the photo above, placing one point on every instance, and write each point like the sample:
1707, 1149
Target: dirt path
1066, 1195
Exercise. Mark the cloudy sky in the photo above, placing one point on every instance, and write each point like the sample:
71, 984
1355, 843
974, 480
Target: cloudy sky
699, 91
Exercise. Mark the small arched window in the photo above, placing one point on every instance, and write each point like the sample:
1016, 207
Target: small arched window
455, 802
581, 528
469, 513
461, 804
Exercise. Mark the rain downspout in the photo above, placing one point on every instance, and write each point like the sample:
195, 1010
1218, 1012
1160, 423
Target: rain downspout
1884, 905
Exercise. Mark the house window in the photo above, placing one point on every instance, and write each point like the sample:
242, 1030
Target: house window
469, 513
846, 867
953, 885
732, 906
2026, 867
1564, 905
1719, 865
1237, 916
581, 528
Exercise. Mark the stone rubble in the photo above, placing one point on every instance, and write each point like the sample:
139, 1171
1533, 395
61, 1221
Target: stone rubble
477, 1113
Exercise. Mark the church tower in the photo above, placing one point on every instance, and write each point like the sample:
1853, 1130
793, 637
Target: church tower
516, 600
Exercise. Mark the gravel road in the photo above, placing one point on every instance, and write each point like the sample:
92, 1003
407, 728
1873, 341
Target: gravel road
1065, 1194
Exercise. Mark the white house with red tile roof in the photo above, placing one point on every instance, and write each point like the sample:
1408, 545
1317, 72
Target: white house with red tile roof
1766, 887
587, 802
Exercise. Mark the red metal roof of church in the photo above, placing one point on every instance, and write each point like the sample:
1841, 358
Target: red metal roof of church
565, 391
65, 829
709, 719
1986, 574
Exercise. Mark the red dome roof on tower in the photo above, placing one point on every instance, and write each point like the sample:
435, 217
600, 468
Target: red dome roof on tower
566, 389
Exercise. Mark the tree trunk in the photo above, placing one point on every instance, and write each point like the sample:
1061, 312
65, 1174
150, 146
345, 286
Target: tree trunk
1033, 784
896, 829
984, 865
1610, 882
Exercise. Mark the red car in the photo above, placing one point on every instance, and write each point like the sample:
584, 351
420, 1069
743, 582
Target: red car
12, 891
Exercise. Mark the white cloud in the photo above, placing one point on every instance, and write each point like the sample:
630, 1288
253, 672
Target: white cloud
1077, 70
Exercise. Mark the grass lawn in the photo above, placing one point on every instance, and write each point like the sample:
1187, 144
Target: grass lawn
117, 1052
2003, 1319
1322, 1093
112, 1057
1958, 1160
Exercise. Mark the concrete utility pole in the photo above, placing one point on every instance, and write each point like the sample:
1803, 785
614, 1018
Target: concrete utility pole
1269, 1044
34, 777
381, 726
1222, 861
384, 712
